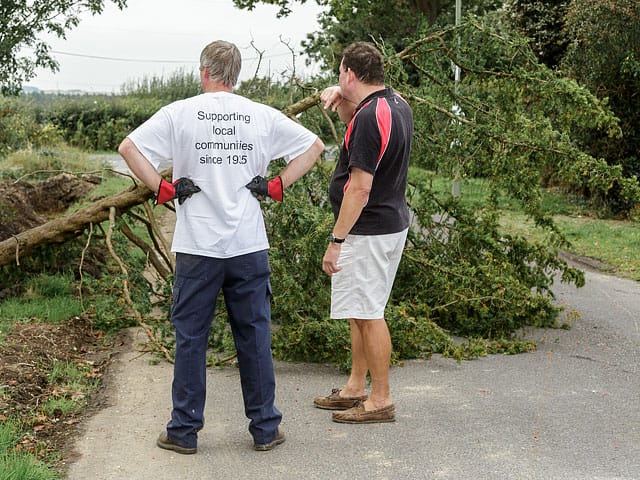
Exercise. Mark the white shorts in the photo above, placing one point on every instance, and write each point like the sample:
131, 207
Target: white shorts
369, 265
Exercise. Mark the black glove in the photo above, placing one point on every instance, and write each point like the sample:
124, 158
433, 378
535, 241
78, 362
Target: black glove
261, 188
181, 189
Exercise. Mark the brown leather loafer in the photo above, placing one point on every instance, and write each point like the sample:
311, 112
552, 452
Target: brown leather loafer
336, 402
358, 414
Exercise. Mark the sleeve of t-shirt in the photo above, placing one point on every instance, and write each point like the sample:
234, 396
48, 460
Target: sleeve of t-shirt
365, 142
289, 139
153, 138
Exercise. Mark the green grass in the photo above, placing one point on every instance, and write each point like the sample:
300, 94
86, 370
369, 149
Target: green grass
5, 325
56, 407
613, 242
74, 384
8, 436
111, 184
45, 162
474, 192
17, 465
52, 310
46, 285
23, 466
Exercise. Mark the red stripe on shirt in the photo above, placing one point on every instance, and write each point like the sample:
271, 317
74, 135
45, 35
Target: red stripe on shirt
347, 135
383, 118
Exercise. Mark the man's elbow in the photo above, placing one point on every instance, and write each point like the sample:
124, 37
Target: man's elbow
312, 155
318, 147
363, 195
360, 193
125, 147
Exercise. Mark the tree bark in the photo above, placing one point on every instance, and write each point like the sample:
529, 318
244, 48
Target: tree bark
304, 104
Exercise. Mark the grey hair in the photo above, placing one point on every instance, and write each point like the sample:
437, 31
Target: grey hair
223, 60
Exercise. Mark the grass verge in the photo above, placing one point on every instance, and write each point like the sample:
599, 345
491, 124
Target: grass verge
18, 465
611, 242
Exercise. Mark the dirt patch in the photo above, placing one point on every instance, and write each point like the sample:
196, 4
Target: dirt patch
28, 355
592, 264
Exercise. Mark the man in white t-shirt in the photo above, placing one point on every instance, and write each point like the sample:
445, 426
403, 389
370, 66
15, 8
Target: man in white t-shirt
220, 145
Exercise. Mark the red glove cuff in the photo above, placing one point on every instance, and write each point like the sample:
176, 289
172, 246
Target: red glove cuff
166, 192
275, 189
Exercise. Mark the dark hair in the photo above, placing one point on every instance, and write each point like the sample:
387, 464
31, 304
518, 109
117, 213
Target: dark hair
366, 62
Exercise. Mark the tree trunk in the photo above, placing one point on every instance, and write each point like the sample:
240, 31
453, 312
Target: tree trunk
63, 228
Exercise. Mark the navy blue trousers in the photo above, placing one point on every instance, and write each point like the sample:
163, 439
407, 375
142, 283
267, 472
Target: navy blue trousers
244, 281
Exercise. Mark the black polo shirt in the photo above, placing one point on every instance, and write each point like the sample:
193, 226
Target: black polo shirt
378, 141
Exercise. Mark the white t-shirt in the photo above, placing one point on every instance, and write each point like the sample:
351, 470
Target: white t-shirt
220, 141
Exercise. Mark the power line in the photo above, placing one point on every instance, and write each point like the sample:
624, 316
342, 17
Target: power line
140, 60
117, 59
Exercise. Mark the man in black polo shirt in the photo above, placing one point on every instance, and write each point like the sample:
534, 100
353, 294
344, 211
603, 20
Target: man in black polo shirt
367, 193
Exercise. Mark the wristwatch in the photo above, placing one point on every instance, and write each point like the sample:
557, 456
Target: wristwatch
334, 239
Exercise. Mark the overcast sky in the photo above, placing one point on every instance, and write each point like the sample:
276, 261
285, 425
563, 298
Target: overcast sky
159, 37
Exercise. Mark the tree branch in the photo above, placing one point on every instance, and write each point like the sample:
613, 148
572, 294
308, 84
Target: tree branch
125, 285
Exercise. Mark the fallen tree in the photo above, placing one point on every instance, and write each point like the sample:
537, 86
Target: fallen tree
476, 282
63, 228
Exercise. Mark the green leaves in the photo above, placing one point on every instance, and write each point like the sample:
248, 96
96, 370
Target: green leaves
476, 280
603, 56
283, 4
522, 124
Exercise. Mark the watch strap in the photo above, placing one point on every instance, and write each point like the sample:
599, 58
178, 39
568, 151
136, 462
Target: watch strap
334, 239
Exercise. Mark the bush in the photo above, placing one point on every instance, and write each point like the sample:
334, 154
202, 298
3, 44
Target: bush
98, 122
20, 128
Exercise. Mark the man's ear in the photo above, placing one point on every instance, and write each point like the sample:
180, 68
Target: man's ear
351, 75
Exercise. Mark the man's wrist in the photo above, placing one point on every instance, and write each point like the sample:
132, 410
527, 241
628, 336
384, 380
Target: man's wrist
334, 239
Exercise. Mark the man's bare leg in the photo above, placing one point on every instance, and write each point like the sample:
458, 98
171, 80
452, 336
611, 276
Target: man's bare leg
376, 343
356, 384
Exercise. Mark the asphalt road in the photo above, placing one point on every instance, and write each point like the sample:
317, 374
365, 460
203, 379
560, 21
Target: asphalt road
570, 410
